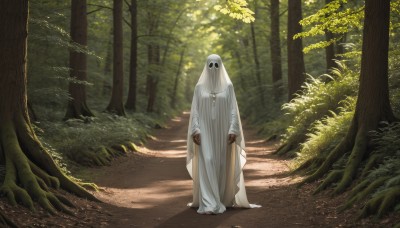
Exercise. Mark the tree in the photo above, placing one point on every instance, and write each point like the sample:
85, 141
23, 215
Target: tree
176, 81
77, 105
256, 60
116, 105
153, 57
30, 170
372, 105
275, 45
329, 50
296, 67
131, 100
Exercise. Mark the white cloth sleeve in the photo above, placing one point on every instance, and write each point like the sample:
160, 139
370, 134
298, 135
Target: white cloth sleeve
195, 113
234, 121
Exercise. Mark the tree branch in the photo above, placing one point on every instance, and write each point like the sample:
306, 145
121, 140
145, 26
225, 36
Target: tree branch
101, 6
94, 11
127, 22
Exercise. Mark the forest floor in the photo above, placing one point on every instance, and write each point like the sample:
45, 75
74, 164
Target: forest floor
151, 188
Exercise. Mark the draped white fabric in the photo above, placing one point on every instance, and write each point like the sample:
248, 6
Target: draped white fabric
216, 166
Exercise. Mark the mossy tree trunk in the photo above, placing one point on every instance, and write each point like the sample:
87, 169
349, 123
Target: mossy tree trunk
296, 67
116, 104
373, 103
131, 100
30, 170
77, 107
275, 44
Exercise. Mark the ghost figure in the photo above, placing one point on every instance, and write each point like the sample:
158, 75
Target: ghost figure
216, 164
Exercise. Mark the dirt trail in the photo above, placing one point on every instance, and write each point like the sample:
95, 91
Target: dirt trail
153, 190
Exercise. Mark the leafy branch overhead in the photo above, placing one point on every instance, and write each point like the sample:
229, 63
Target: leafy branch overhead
237, 9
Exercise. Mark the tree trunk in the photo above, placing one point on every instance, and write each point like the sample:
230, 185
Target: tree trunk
178, 73
107, 65
296, 68
256, 61
339, 46
30, 170
329, 50
153, 61
131, 100
152, 79
243, 84
77, 107
275, 45
116, 104
373, 103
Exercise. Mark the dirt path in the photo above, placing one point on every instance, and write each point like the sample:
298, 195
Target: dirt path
153, 190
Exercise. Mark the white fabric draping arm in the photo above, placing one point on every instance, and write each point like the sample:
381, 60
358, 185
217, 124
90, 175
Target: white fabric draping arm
195, 113
234, 119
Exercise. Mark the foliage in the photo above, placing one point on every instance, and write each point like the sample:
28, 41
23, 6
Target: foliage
80, 136
326, 133
319, 99
236, 9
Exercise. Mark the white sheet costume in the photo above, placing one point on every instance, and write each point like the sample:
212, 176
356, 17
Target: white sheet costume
216, 166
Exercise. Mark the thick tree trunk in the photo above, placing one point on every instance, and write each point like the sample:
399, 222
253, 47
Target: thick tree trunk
373, 103
296, 68
77, 107
178, 73
275, 44
116, 104
131, 100
30, 170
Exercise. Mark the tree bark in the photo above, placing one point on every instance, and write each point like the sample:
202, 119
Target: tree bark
256, 60
275, 45
116, 104
296, 67
329, 50
373, 105
178, 73
257, 64
152, 80
153, 61
107, 65
30, 170
77, 107
131, 100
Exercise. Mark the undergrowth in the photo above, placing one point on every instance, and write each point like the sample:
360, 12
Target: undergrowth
319, 99
79, 139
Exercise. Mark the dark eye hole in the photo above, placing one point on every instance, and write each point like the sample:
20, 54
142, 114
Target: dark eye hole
211, 65
216, 65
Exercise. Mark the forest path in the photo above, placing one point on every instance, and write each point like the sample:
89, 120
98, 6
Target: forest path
152, 190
